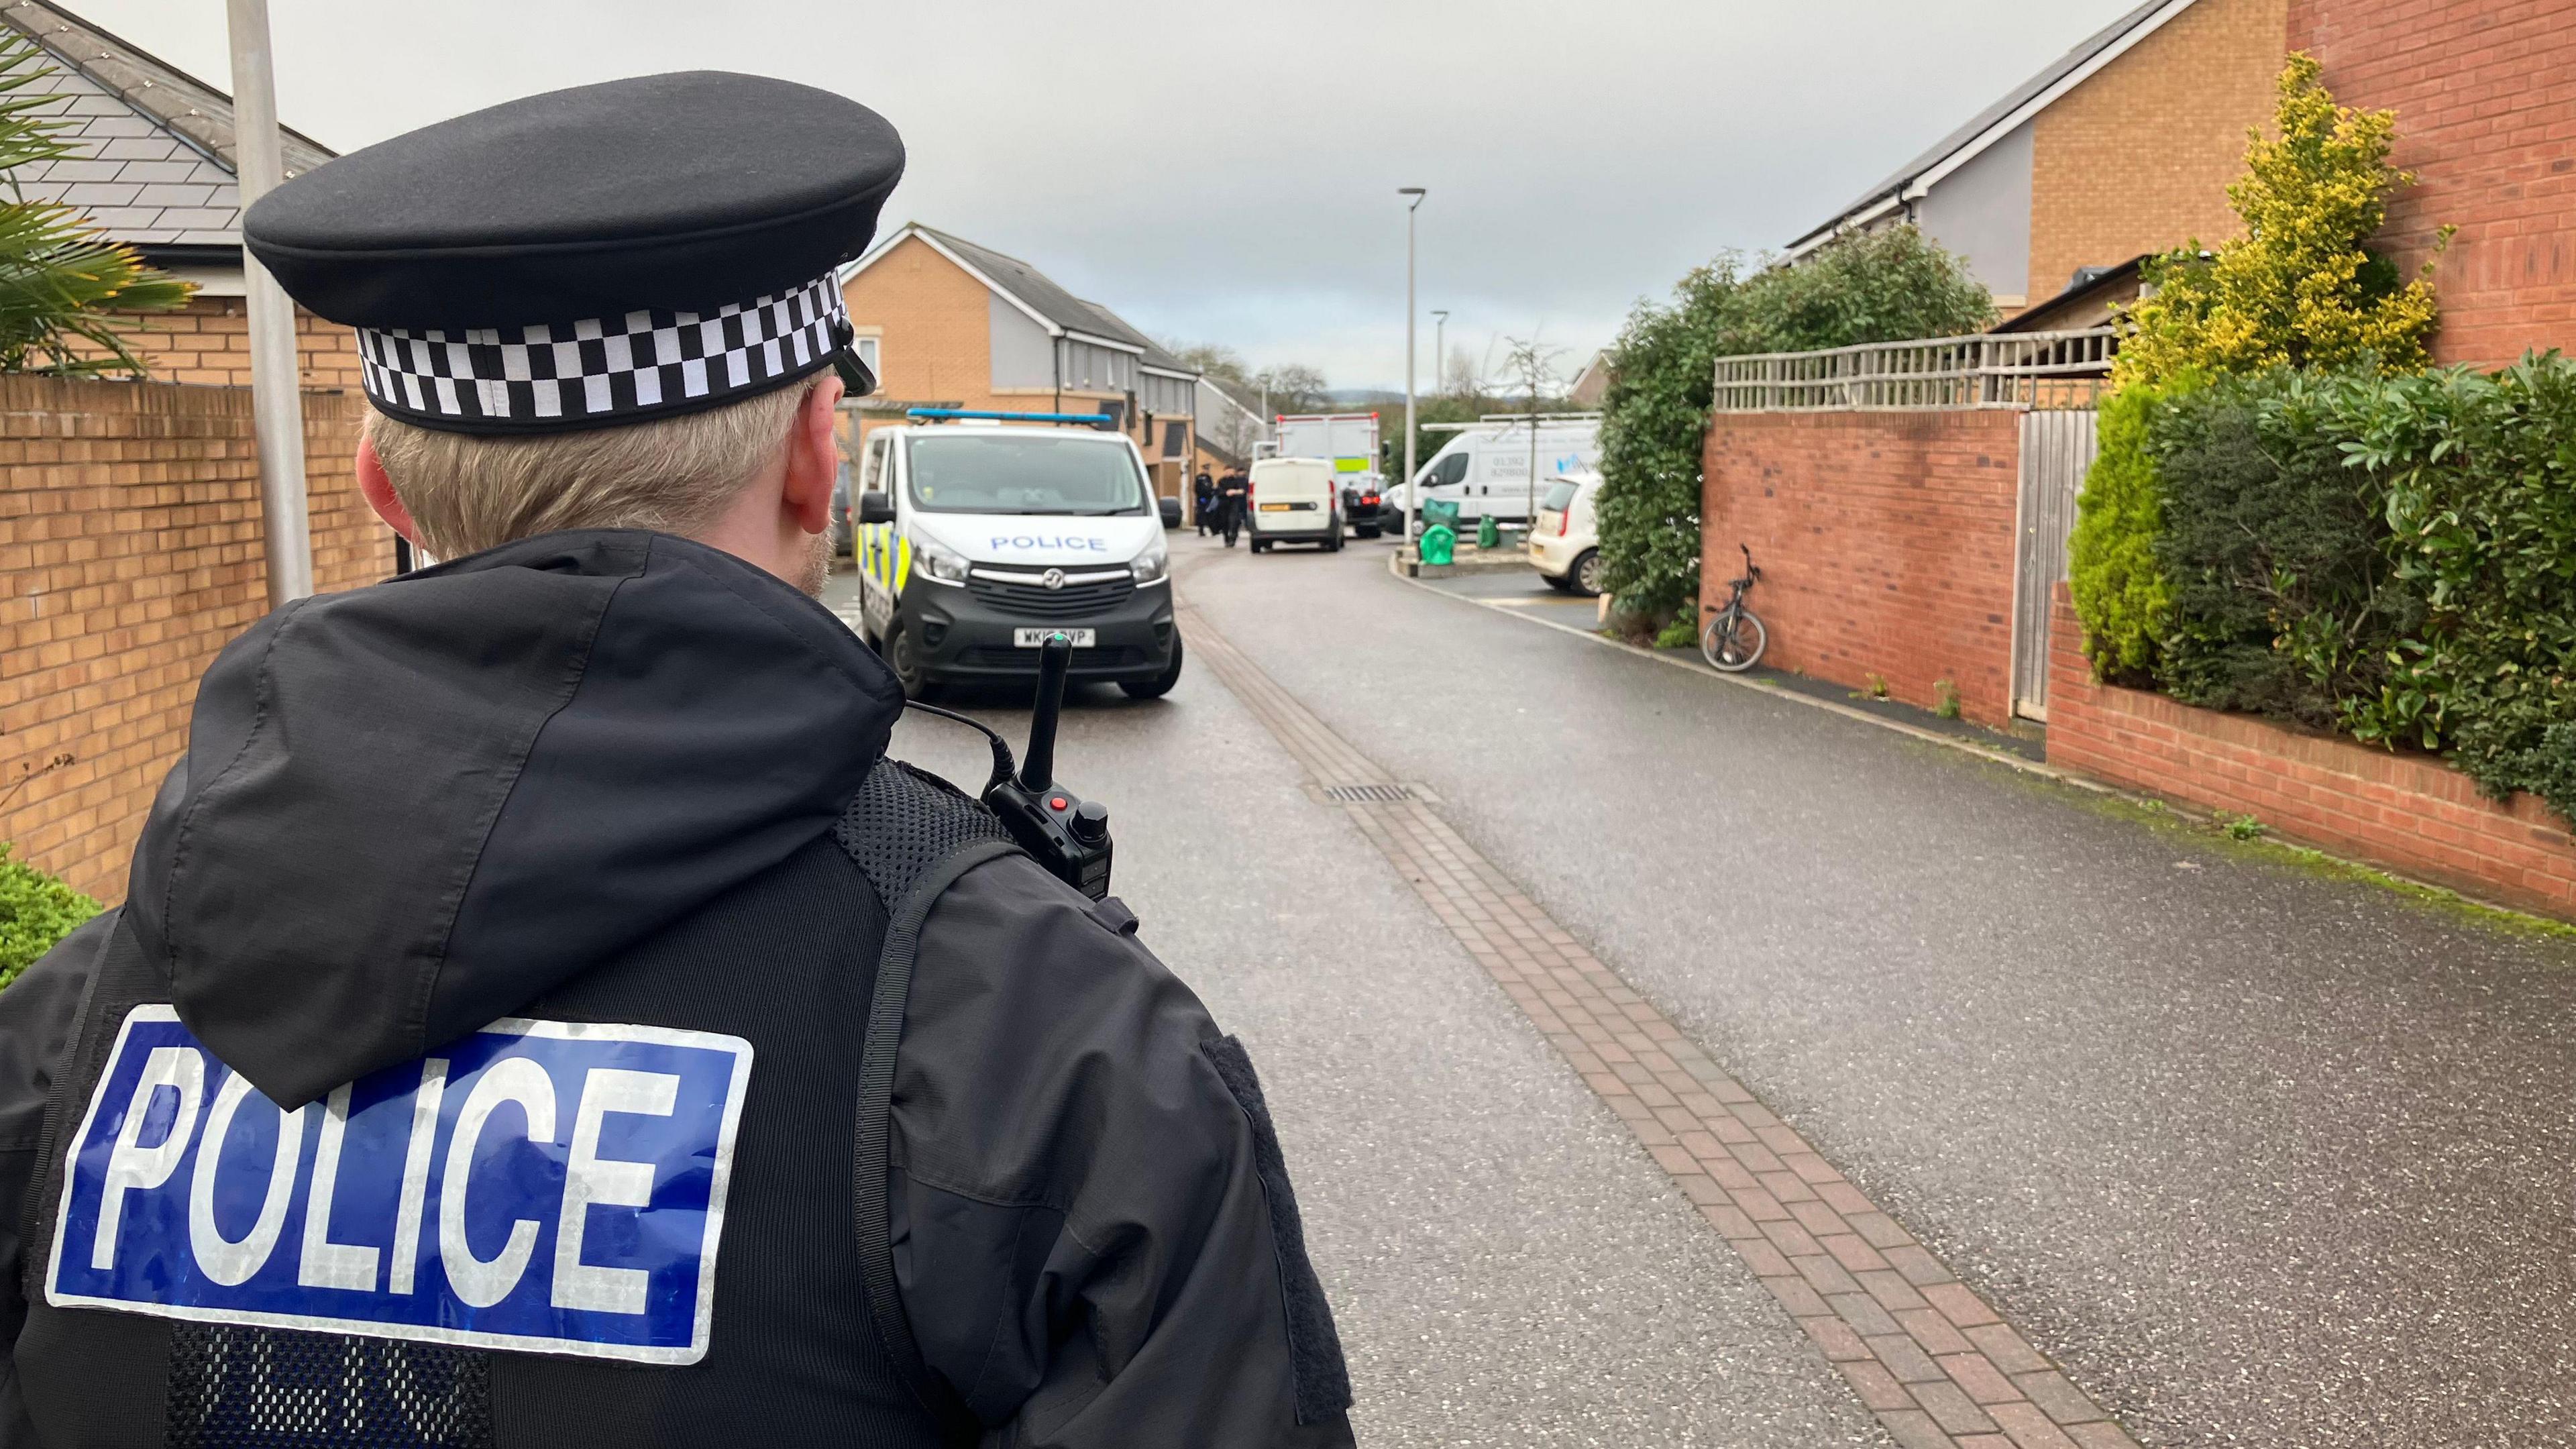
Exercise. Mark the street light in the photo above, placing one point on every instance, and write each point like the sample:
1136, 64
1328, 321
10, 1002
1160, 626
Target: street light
277, 410
1412, 504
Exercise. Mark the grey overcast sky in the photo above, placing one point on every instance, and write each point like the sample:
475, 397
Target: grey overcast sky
1226, 172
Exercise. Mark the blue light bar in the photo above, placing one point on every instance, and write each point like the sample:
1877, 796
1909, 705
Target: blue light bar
942, 415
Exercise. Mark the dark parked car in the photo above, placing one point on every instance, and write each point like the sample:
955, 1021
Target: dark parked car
1361, 507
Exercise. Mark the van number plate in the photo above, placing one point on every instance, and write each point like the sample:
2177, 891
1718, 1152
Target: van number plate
1036, 638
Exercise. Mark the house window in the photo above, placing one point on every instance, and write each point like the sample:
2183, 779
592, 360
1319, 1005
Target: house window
1175, 439
866, 348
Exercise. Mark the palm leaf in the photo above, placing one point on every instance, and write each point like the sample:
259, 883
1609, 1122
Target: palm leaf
67, 290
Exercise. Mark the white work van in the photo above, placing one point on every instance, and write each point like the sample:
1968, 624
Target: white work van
1350, 442
1295, 500
1486, 469
980, 534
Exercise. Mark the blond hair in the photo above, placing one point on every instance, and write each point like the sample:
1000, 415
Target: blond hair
468, 492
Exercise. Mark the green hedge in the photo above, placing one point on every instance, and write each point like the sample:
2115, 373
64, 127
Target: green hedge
2118, 587
2282, 596
36, 910
1886, 286
2392, 557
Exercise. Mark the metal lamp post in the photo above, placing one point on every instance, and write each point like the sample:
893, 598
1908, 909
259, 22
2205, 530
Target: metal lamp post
277, 411
1412, 504
1439, 349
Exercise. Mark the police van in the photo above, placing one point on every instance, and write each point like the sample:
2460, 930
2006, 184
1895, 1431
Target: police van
980, 534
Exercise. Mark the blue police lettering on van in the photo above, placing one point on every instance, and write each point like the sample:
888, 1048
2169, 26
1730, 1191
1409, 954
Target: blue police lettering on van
542, 1185
1065, 542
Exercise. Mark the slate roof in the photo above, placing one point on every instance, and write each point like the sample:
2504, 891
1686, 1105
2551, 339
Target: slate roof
154, 163
1035, 288
1113, 325
1986, 119
1040, 294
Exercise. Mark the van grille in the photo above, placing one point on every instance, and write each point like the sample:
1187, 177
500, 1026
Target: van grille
1031, 601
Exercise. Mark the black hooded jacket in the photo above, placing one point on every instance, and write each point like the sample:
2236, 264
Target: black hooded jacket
610, 785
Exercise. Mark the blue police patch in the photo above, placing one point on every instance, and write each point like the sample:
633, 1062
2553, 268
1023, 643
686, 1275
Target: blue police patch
548, 1186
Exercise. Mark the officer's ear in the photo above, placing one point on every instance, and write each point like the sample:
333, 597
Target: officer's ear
378, 488
813, 457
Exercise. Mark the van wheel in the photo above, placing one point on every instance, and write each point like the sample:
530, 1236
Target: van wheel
1259, 547
1161, 684
906, 664
1334, 544
1586, 573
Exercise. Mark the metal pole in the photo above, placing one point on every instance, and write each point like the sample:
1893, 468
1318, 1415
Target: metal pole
1439, 351
1412, 503
277, 410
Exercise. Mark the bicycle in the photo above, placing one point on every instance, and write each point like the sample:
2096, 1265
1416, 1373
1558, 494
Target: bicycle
1734, 639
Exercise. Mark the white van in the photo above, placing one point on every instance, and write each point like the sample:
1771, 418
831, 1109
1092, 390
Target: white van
1563, 545
1295, 500
1486, 471
976, 541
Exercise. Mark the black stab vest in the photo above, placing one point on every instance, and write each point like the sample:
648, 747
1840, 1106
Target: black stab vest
808, 1343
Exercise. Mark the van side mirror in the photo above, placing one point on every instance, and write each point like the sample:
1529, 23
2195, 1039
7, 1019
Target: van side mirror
877, 507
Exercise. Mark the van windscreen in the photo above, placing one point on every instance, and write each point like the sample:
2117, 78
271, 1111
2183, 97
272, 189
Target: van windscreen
1023, 471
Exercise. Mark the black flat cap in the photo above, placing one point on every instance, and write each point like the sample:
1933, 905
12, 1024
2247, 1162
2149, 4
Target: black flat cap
593, 256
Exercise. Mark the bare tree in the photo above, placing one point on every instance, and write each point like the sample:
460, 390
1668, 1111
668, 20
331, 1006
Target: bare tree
1213, 358
1460, 377
1531, 365
1293, 387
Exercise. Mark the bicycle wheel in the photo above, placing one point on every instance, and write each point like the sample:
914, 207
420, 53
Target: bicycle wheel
1734, 641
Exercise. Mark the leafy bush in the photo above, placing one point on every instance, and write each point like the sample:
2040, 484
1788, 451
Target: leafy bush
62, 282
2394, 557
1882, 287
2477, 477
36, 910
2118, 586
2283, 597
2299, 288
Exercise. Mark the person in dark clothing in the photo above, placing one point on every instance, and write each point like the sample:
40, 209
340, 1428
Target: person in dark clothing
1203, 501
541, 1014
1233, 495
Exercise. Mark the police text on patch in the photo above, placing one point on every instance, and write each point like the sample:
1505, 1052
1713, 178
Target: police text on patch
548, 1186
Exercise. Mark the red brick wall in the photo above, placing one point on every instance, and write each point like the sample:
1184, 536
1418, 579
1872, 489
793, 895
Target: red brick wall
2485, 95
2409, 813
1885, 540
129, 553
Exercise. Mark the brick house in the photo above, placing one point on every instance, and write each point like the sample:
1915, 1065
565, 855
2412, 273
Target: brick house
2485, 95
2123, 146
949, 323
153, 168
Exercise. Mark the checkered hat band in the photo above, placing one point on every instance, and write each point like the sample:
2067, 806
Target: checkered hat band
603, 368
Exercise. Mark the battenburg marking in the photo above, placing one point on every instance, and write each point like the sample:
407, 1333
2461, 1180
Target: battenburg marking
540, 1185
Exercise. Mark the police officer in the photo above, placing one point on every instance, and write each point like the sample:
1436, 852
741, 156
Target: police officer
1233, 494
540, 1013
1203, 498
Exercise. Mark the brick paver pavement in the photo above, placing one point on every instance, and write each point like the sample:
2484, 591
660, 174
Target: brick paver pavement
1934, 1362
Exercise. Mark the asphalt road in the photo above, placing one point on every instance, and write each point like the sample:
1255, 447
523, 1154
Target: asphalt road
2263, 1156
1506, 1268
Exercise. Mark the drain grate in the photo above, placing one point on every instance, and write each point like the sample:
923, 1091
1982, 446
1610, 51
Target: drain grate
1353, 793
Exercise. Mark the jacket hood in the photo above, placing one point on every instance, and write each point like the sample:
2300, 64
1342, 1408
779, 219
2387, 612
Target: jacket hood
410, 809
